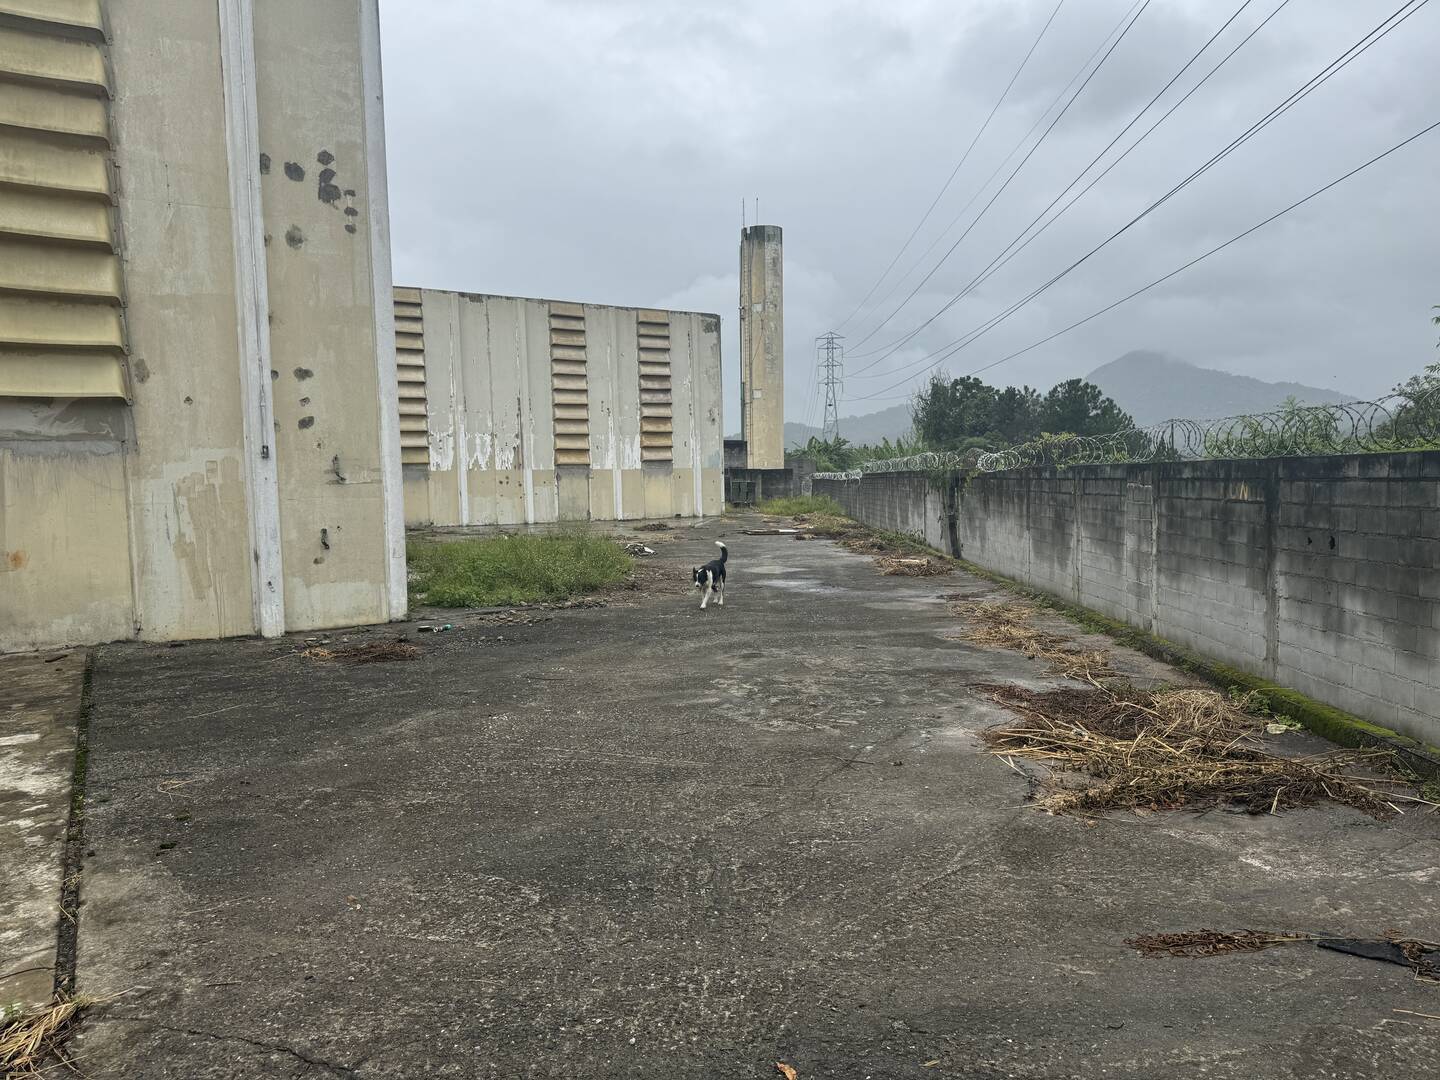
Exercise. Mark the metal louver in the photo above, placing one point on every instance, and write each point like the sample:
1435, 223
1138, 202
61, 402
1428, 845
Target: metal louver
656, 402
62, 330
410, 373
568, 386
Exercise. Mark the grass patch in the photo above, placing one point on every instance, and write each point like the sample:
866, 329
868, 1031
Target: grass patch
802, 504
503, 570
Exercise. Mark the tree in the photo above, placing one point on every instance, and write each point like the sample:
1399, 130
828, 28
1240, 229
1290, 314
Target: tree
1016, 417
949, 413
1077, 407
1415, 422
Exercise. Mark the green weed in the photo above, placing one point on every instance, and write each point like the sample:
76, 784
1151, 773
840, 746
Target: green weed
802, 504
512, 569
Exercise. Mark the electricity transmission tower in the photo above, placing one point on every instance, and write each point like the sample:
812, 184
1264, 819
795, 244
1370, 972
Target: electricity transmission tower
832, 373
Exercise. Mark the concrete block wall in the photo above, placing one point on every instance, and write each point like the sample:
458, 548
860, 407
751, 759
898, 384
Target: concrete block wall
1320, 574
897, 502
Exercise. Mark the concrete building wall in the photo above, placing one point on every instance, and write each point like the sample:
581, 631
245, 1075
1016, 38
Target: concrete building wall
195, 507
762, 346
1320, 574
543, 411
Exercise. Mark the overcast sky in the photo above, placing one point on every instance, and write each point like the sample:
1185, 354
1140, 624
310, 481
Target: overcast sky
599, 150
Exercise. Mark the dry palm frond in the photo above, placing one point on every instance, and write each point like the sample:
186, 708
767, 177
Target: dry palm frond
1212, 942
27, 1043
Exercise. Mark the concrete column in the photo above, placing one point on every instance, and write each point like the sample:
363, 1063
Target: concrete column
762, 346
252, 300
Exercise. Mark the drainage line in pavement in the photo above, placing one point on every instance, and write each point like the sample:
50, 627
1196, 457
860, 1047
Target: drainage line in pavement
73, 859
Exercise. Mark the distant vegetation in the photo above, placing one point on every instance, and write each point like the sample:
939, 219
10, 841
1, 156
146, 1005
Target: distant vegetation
966, 414
505, 570
962, 414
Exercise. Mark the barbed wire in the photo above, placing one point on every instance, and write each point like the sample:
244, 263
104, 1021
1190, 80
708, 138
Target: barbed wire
1398, 422
926, 462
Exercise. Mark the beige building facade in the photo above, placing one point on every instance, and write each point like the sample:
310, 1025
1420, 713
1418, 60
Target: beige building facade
199, 430
517, 411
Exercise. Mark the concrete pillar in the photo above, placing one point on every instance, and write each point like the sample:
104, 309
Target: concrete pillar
762, 346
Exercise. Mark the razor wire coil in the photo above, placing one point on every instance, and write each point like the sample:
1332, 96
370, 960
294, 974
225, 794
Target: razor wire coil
1396, 423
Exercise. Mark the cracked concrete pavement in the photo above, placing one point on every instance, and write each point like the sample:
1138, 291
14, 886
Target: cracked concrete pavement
642, 840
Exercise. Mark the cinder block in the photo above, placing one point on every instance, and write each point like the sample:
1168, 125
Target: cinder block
1418, 725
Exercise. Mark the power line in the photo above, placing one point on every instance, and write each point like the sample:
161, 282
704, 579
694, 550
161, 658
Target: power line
958, 166
1040, 119
1007, 181
833, 368
1325, 74
1201, 258
1007, 254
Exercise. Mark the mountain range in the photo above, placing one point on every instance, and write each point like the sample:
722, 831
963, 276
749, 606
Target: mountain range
1150, 386
1153, 387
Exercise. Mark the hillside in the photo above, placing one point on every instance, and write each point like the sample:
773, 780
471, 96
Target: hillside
888, 423
1153, 387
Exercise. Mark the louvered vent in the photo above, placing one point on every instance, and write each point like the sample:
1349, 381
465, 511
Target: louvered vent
61, 326
568, 385
656, 403
410, 372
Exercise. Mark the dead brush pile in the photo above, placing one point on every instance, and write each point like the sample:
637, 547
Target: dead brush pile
1128, 748
1008, 625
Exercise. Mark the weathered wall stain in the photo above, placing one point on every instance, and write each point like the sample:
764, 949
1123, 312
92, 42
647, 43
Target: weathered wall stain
303, 373
306, 422
295, 237
328, 190
197, 517
139, 370
325, 157
15, 560
294, 171
264, 164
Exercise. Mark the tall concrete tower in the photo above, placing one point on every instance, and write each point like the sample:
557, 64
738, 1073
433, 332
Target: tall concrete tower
762, 346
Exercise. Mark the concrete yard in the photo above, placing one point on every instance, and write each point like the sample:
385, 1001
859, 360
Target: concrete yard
645, 841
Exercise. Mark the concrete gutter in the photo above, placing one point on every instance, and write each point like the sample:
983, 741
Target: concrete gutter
40, 700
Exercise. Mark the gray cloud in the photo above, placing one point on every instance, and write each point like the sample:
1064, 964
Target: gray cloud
600, 149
